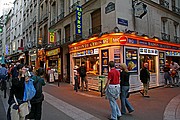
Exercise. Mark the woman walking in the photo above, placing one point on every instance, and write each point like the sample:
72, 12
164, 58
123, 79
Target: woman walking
124, 90
36, 101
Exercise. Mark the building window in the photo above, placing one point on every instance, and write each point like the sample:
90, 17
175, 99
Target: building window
96, 22
67, 33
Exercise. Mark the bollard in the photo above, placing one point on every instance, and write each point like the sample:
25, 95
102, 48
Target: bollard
101, 88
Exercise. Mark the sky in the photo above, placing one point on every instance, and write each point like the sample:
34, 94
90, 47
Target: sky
2, 6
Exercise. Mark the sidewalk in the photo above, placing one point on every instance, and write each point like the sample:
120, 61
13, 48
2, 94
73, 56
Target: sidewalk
63, 103
153, 108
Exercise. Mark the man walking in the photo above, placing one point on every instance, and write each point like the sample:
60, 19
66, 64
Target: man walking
145, 79
174, 67
3, 78
112, 90
82, 73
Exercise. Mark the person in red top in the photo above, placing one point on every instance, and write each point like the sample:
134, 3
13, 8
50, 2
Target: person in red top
112, 91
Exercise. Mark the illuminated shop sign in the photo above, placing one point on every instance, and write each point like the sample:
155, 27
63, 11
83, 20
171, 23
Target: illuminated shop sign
79, 20
171, 53
148, 51
51, 36
86, 52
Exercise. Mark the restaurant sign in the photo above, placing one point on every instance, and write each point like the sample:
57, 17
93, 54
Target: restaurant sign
53, 52
79, 20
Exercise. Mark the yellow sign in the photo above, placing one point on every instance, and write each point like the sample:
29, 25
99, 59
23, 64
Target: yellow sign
59, 65
51, 37
53, 52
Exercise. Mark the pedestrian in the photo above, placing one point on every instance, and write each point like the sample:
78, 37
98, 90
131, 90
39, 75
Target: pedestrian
16, 96
174, 68
76, 78
3, 78
125, 90
82, 72
36, 101
112, 91
167, 76
145, 79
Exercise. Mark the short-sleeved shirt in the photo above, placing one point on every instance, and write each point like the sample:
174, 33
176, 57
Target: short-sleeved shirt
114, 76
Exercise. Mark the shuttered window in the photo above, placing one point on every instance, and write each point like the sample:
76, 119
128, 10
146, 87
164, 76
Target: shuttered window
67, 33
96, 21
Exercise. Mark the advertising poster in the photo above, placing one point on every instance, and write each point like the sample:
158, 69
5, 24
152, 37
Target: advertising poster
117, 59
132, 59
105, 61
161, 61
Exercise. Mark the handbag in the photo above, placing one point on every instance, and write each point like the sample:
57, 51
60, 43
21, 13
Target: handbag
23, 108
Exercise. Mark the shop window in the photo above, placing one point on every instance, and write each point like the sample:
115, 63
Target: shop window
92, 64
150, 59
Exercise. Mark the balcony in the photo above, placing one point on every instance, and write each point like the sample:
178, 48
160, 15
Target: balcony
164, 3
73, 7
165, 37
176, 9
176, 39
53, 22
61, 16
95, 30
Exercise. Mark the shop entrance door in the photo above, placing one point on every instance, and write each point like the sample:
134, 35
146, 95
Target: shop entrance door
68, 67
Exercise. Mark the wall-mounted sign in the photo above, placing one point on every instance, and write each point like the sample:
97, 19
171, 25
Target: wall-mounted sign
140, 9
122, 22
123, 40
53, 52
148, 51
7, 49
79, 20
52, 36
110, 7
171, 53
86, 52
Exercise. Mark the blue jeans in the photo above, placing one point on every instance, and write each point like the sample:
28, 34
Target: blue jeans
124, 101
112, 101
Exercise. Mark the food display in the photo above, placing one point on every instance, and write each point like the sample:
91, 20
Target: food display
161, 61
132, 59
105, 60
117, 59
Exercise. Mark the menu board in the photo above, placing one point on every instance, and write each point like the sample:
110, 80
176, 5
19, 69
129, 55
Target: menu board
161, 61
132, 59
117, 59
105, 61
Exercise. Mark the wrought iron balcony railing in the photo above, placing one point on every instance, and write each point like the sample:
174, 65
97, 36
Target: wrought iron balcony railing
176, 9
73, 7
95, 30
164, 3
53, 22
165, 36
176, 39
60, 16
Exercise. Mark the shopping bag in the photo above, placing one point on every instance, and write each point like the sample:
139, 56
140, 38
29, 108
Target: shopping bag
29, 91
23, 109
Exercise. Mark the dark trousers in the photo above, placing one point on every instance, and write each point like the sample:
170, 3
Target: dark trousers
76, 85
4, 87
36, 111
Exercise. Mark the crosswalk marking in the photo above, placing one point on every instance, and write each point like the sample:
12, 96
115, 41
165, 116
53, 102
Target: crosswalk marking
68, 109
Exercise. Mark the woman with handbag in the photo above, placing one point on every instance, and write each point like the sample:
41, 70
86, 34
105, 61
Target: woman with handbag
15, 101
124, 90
36, 101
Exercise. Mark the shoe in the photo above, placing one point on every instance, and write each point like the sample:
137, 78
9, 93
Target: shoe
131, 111
147, 96
142, 93
111, 119
118, 117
